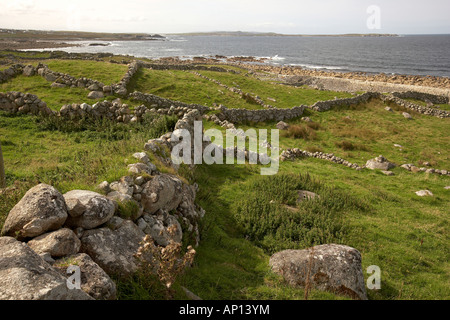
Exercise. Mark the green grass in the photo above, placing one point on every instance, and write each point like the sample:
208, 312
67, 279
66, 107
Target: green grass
105, 72
285, 96
68, 156
54, 97
186, 87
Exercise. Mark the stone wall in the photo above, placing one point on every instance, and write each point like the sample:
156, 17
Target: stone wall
262, 115
23, 103
425, 97
365, 97
159, 102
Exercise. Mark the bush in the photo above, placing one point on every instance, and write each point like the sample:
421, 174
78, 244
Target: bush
272, 219
349, 146
300, 132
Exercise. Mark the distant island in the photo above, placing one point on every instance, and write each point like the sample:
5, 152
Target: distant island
37, 39
274, 34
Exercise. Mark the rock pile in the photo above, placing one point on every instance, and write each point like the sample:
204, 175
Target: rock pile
414, 169
291, 154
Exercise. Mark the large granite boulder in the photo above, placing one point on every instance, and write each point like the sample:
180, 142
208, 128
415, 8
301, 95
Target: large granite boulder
60, 243
162, 192
25, 276
380, 163
331, 267
94, 281
41, 209
88, 209
114, 250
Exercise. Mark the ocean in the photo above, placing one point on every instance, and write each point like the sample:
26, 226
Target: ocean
409, 54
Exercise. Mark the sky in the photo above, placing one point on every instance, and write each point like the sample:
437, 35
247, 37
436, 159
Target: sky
181, 16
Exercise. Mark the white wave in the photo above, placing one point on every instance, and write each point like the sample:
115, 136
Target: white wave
276, 58
310, 66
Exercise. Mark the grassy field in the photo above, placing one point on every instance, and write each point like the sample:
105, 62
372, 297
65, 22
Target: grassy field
248, 216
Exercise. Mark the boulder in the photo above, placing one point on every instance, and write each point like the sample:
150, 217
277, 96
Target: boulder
88, 209
60, 243
306, 195
94, 281
331, 267
24, 275
40, 210
380, 163
29, 71
282, 125
114, 250
57, 85
406, 115
96, 95
162, 192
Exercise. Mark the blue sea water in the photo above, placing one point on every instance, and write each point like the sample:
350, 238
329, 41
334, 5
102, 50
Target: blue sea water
409, 54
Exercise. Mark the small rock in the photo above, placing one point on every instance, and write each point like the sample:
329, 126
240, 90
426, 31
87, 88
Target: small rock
406, 115
96, 95
424, 193
60, 243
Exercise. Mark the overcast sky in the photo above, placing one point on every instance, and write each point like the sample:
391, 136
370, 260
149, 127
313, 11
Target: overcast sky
177, 16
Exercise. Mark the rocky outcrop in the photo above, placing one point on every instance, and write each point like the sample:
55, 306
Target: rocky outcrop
328, 267
42, 209
25, 276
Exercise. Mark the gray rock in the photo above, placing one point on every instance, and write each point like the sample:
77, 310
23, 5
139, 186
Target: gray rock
388, 173
114, 250
94, 281
406, 115
24, 275
157, 229
97, 209
380, 163
40, 210
96, 95
162, 192
29, 71
306, 195
138, 168
282, 125
60, 243
58, 85
331, 267
104, 187
424, 193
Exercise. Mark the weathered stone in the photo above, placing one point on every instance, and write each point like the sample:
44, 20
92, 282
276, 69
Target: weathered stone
380, 163
406, 115
282, 125
94, 281
60, 243
424, 193
162, 192
40, 210
114, 251
306, 195
24, 275
97, 209
96, 95
331, 267
158, 229
139, 168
